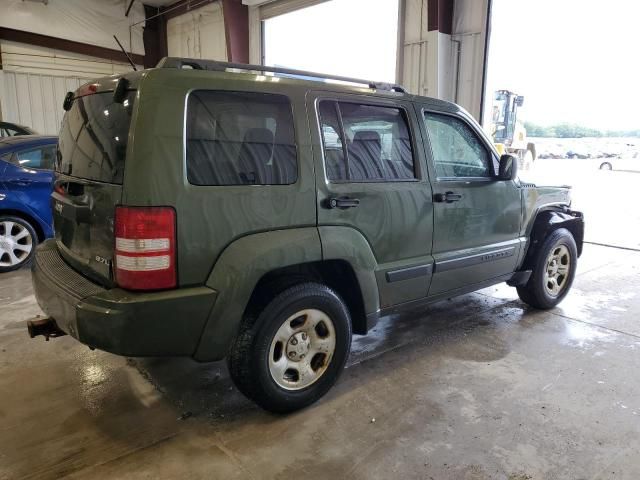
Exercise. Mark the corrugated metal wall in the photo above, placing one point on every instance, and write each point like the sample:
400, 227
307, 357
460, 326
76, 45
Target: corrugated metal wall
414, 71
445, 66
36, 100
415, 47
469, 25
35, 80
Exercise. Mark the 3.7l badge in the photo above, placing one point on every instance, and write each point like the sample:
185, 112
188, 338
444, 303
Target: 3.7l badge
102, 260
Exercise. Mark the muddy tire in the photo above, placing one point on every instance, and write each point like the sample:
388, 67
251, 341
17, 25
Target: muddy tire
18, 241
553, 271
294, 351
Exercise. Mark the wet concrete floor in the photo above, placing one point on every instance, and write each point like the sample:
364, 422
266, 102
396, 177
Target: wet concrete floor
478, 387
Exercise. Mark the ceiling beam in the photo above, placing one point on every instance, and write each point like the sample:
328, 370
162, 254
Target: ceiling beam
31, 38
440, 16
236, 29
154, 36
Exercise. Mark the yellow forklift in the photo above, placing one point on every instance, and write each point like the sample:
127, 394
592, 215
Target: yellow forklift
508, 133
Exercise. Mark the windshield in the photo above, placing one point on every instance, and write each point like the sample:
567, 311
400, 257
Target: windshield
93, 138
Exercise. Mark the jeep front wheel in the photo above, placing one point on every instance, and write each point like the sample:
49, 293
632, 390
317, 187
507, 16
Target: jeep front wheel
553, 271
294, 351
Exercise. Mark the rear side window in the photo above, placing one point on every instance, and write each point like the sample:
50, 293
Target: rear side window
240, 138
457, 150
93, 137
365, 143
39, 158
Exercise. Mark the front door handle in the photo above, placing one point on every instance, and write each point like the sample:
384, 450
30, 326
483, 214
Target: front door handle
343, 202
448, 197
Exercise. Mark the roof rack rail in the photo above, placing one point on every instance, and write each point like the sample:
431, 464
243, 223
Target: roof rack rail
216, 66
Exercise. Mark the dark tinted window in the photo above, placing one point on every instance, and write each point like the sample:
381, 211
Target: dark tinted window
240, 138
10, 132
40, 157
457, 150
93, 138
365, 142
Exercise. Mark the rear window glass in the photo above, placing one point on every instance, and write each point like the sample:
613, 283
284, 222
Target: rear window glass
365, 143
240, 138
93, 138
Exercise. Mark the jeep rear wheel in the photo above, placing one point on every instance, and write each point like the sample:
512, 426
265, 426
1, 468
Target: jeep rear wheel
553, 271
294, 351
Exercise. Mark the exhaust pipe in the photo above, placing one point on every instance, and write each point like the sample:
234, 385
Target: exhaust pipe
46, 327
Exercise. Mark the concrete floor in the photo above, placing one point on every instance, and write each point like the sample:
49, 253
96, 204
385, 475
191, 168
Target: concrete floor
478, 387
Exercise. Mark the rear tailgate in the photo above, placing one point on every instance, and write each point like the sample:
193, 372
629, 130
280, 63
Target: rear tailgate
89, 174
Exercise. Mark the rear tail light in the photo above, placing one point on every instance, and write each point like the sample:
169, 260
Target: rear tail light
145, 250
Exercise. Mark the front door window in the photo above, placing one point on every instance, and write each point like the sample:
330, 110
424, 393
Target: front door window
457, 150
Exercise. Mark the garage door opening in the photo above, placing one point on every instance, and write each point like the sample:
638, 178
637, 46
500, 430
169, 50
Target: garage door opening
356, 38
561, 93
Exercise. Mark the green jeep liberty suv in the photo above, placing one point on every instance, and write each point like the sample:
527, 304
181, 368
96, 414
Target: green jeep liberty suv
215, 210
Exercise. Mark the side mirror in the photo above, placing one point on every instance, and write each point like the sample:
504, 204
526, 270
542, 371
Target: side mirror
520, 100
508, 167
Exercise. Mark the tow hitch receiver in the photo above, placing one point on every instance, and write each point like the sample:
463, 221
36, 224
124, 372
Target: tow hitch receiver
44, 326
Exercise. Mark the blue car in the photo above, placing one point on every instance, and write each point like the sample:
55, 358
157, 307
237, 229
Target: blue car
26, 181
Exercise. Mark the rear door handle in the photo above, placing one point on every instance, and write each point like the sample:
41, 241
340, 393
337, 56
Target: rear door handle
448, 197
343, 202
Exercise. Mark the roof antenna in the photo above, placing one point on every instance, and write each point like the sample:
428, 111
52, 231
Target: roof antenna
133, 65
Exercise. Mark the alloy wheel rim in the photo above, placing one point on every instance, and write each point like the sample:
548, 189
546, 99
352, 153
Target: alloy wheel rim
302, 349
16, 243
557, 268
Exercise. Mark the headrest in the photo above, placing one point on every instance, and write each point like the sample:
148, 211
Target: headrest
366, 136
258, 135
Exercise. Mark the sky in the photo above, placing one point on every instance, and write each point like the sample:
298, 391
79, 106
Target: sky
575, 61
342, 37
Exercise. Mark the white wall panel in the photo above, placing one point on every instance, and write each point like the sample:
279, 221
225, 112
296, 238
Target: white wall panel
36, 79
34, 59
469, 25
434, 66
426, 62
198, 34
413, 74
471, 65
85, 21
35, 100
255, 36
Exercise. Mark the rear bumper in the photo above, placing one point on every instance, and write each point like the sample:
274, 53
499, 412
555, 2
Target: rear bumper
166, 323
